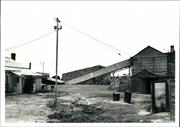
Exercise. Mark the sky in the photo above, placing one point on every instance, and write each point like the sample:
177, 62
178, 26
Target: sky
128, 26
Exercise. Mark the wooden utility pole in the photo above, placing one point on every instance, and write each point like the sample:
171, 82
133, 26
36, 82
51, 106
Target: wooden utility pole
42, 63
43, 66
57, 29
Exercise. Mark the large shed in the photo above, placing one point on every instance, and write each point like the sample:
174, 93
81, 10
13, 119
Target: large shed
149, 65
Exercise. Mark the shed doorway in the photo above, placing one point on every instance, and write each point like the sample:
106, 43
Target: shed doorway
28, 84
148, 86
145, 85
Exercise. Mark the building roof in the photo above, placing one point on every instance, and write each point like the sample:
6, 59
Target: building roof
18, 68
149, 51
11, 64
145, 74
52, 80
25, 73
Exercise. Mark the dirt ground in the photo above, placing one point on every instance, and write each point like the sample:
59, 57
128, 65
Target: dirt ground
81, 103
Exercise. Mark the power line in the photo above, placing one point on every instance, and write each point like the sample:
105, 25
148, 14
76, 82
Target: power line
19, 41
101, 42
45, 35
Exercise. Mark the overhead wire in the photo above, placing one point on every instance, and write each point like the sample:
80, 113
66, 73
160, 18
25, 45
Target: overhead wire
16, 43
42, 36
97, 40
77, 30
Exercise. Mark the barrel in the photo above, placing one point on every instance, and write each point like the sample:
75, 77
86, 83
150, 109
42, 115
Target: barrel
127, 97
116, 96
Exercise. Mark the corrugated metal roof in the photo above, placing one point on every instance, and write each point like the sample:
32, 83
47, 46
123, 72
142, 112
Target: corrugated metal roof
149, 48
11, 64
26, 73
13, 69
18, 68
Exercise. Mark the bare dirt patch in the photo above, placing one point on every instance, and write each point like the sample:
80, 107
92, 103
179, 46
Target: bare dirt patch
80, 104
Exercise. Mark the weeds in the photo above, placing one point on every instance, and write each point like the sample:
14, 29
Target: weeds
74, 112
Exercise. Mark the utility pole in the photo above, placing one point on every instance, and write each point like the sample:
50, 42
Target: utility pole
42, 63
57, 29
43, 66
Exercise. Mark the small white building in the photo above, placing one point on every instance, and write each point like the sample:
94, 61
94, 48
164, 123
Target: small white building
19, 78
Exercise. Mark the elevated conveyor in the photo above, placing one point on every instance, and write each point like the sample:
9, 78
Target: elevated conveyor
109, 69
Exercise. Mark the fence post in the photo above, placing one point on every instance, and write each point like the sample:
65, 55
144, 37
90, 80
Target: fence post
167, 96
153, 96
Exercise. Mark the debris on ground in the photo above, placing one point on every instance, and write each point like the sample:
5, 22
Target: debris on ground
143, 113
79, 104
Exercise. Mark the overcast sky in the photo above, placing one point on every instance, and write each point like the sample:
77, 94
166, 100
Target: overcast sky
126, 25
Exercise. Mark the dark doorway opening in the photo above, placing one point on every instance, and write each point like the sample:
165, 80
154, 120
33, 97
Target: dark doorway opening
148, 86
28, 84
147, 82
145, 86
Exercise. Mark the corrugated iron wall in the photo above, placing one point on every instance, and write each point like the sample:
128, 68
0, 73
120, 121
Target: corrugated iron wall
154, 64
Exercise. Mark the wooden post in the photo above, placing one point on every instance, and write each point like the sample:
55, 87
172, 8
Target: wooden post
153, 96
167, 97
